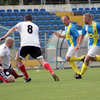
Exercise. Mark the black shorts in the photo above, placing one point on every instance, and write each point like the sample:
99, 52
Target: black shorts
34, 52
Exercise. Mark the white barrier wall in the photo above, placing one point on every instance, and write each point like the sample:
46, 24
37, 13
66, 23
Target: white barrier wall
53, 8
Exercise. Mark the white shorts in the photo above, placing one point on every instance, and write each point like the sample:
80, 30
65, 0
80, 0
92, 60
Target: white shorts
93, 51
71, 52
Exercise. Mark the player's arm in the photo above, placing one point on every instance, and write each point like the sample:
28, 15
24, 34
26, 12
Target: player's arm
59, 35
9, 32
81, 37
98, 27
79, 40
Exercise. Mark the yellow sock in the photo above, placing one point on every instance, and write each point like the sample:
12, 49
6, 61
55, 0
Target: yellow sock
74, 67
73, 58
97, 58
84, 68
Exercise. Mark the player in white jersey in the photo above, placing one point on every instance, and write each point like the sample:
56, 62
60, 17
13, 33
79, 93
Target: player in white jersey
5, 74
29, 33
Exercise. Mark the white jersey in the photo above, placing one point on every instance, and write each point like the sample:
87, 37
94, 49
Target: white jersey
29, 33
5, 55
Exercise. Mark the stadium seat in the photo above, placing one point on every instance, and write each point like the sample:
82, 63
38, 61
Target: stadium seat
98, 9
29, 10
22, 10
87, 9
16, 11
75, 23
9, 10
2, 11
80, 9
74, 9
42, 10
93, 9
36, 10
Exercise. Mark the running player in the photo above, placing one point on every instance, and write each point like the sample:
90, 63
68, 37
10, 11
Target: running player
93, 31
5, 75
72, 36
29, 45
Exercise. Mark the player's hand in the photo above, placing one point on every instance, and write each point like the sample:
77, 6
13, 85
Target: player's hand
57, 34
1, 39
76, 48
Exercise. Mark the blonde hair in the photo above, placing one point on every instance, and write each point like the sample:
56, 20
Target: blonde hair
9, 39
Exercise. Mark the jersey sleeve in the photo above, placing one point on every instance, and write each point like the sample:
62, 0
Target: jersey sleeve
3, 52
18, 27
74, 31
83, 30
98, 26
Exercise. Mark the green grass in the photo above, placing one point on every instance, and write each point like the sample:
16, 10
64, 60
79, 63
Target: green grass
42, 87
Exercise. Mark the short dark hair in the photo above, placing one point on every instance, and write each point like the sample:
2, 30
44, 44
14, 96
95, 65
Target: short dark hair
28, 17
67, 17
88, 15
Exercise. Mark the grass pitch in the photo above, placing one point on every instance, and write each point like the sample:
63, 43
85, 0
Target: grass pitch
42, 87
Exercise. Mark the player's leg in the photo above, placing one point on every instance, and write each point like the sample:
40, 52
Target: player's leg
47, 66
69, 55
91, 56
97, 57
6, 76
85, 65
75, 58
22, 54
35, 52
15, 74
73, 65
2, 79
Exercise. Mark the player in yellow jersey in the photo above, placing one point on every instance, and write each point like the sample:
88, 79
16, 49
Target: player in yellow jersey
93, 30
72, 36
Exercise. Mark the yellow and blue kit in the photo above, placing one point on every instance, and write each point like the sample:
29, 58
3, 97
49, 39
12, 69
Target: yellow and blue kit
93, 31
71, 34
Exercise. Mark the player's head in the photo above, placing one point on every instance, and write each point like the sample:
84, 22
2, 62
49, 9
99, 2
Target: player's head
87, 18
28, 18
9, 42
66, 20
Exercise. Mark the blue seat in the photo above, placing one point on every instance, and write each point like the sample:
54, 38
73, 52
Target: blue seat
91, 12
4, 14
36, 10
53, 15
16, 11
42, 10
87, 9
75, 23
17, 45
74, 9
29, 10
93, 9
98, 8
58, 18
2, 11
80, 9
9, 10
98, 12
97, 20
22, 10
